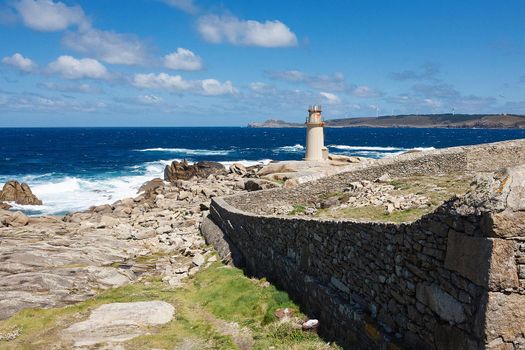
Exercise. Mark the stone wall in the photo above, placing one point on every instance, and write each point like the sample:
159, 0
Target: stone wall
487, 157
454, 279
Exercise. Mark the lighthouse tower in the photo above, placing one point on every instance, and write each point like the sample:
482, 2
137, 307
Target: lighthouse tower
315, 149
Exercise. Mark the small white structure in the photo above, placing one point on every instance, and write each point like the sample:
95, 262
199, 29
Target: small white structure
315, 149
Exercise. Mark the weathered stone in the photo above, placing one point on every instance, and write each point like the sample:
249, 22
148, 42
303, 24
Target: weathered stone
503, 270
184, 195
108, 277
107, 221
344, 159
14, 191
208, 193
330, 202
151, 186
184, 171
384, 178
119, 322
103, 209
16, 219
259, 184
339, 285
126, 202
469, 256
122, 211
164, 229
145, 233
442, 303
198, 259
238, 169
487, 262
504, 316
504, 224
516, 184
123, 231
451, 338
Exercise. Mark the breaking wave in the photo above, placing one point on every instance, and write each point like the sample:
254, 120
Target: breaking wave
191, 152
289, 149
64, 194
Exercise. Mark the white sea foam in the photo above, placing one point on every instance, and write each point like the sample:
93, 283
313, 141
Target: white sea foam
246, 162
68, 193
365, 148
191, 152
63, 194
374, 152
290, 149
374, 148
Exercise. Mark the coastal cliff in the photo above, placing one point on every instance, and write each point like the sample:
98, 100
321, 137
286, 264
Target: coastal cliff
486, 121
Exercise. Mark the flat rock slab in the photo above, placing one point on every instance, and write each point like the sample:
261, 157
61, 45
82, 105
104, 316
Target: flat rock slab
303, 171
118, 322
54, 264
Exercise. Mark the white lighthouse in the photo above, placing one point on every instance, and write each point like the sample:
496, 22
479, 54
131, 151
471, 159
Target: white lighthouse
315, 149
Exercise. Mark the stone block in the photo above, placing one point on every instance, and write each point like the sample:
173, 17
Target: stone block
442, 303
504, 224
469, 256
488, 262
516, 197
339, 285
503, 270
451, 338
505, 316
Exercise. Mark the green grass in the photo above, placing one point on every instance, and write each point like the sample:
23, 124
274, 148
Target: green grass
437, 189
331, 194
204, 306
374, 213
297, 209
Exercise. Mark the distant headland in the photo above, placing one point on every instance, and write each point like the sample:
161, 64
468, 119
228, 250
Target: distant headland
487, 121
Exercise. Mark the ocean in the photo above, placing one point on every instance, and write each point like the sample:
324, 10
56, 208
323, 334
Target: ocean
71, 169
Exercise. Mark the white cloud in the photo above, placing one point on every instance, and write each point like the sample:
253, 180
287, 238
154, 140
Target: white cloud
183, 59
261, 87
17, 60
184, 5
72, 68
108, 46
49, 16
214, 87
165, 81
217, 29
330, 98
291, 75
334, 82
161, 81
149, 99
71, 88
432, 103
43, 103
365, 91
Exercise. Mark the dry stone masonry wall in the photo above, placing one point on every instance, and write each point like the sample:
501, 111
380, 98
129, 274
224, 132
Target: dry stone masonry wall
454, 279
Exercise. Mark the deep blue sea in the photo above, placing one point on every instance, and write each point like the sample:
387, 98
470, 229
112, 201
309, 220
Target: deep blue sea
74, 168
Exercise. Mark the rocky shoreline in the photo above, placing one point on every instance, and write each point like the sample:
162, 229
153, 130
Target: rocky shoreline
55, 261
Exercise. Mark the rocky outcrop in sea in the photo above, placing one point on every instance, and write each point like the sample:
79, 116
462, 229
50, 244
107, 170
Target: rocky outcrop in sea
20, 193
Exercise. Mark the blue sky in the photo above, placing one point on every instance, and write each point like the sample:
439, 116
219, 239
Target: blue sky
198, 62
